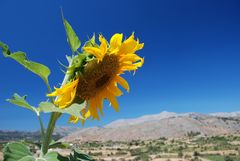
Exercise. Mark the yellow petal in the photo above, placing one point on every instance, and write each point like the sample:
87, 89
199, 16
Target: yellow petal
66, 94
122, 82
130, 57
112, 99
52, 94
95, 51
87, 115
103, 45
139, 46
93, 109
73, 119
114, 89
100, 100
116, 41
130, 46
128, 67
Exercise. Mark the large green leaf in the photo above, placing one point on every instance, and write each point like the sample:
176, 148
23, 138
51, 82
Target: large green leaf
21, 101
80, 156
73, 110
37, 68
47, 107
72, 38
15, 151
51, 156
29, 158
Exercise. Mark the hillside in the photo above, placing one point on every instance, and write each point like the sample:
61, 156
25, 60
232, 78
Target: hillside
165, 124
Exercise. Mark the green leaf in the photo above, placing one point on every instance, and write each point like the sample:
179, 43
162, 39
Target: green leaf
5, 49
73, 109
72, 38
51, 156
37, 68
15, 151
29, 158
60, 145
80, 156
21, 101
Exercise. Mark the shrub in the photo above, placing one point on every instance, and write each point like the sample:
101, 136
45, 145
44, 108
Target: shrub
195, 154
228, 158
180, 154
121, 153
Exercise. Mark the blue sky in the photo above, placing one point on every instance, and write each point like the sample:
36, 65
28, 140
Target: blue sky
192, 53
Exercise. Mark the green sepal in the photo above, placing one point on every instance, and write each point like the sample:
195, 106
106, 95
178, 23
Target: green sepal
37, 68
90, 43
21, 101
73, 109
69, 59
76, 64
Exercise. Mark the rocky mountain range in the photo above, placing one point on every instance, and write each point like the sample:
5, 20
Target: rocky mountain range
165, 124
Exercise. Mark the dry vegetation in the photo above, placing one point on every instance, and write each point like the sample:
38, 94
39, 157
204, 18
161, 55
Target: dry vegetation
191, 148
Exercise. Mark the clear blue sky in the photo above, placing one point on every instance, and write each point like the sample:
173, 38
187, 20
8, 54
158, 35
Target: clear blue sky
192, 53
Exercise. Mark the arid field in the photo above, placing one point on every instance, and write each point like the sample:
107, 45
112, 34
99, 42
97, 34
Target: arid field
191, 148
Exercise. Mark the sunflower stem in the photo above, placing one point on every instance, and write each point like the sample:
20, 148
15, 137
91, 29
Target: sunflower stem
54, 117
42, 127
49, 132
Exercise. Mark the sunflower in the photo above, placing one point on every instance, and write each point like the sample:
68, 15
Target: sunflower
66, 94
101, 76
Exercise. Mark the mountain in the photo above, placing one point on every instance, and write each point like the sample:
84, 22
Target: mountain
12, 135
142, 119
65, 130
226, 114
165, 124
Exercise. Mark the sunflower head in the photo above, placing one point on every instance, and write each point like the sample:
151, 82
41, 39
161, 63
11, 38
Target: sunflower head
99, 78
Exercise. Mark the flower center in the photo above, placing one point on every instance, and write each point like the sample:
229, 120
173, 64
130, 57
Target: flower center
97, 76
100, 82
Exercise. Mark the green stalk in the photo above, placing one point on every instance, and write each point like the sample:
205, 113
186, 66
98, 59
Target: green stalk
52, 122
49, 132
42, 127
